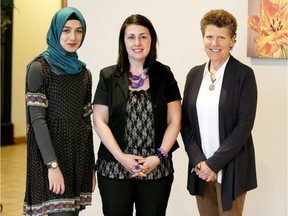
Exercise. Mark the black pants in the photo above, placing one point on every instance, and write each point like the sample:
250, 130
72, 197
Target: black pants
65, 214
150, 196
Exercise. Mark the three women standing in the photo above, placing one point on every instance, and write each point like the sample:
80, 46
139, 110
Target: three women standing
137, 115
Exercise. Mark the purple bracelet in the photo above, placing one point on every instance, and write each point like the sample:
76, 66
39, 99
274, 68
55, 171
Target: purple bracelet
163, 152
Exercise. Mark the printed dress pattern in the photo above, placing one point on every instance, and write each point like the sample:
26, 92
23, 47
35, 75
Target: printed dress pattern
67, 101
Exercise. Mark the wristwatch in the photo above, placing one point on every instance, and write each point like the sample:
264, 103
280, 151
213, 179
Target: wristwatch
52, 164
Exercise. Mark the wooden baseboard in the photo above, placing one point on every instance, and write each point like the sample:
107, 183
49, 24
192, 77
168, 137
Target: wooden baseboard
20, 140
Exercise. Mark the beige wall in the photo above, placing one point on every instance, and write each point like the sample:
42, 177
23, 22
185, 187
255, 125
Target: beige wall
177, 25
31, 22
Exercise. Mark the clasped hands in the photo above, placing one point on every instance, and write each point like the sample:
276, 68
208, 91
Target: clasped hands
138, 165
204, 172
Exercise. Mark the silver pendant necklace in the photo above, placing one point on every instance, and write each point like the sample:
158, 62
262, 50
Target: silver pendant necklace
212, 86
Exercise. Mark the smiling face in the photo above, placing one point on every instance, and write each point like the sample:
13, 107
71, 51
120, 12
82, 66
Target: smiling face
218, 43
71, 36
137, 42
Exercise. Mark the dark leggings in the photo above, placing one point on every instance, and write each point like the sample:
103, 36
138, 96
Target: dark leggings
150, 196
76, 213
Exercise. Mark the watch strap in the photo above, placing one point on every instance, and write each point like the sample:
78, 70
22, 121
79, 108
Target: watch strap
52, 164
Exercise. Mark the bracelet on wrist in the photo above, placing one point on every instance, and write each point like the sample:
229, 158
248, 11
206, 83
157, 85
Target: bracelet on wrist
161, 154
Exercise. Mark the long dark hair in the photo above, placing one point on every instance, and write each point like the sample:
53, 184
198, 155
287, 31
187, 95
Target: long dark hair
137, 19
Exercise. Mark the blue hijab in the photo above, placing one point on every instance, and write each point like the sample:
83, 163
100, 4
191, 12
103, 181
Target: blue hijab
60, 61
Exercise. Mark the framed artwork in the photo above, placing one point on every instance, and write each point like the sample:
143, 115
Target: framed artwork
267, 29
63, 3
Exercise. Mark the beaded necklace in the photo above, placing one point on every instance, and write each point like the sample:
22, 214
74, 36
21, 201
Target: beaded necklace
141, 79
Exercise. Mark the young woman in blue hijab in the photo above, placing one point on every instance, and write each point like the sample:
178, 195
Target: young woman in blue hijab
60, 155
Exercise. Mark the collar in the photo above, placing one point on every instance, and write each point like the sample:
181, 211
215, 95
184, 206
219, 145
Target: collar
218, 73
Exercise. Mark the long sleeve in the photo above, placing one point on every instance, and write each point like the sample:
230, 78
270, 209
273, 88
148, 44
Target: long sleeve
189, 129
38, 114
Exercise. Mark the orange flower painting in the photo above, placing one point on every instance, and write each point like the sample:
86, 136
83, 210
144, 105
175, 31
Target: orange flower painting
268, 29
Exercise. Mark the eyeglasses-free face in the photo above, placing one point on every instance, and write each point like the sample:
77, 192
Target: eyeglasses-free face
218, 43
137, 42
71, 35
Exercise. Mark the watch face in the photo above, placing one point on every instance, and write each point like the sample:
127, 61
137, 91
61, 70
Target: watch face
54, 165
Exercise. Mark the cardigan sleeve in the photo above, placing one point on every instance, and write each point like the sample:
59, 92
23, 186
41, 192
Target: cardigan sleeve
189, 119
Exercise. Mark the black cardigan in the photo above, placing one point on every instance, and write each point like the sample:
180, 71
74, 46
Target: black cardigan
237, 110
112, 91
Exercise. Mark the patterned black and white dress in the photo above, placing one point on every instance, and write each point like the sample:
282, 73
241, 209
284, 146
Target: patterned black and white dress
66, 99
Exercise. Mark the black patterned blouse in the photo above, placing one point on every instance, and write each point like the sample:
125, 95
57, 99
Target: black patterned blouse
139, 137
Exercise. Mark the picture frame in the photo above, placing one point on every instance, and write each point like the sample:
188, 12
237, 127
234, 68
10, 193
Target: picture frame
267, 29
63, 3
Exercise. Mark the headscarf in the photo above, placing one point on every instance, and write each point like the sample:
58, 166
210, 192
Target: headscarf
60, 61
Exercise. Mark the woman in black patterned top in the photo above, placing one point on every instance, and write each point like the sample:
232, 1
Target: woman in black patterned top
60, 156
137, 115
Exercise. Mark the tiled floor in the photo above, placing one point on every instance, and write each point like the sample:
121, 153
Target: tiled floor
13, 178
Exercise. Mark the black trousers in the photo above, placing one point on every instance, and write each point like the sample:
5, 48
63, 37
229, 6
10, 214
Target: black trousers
65, 214
150, 196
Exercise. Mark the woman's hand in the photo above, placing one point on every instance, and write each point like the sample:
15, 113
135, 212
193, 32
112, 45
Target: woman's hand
205, 173
146, 165
130, 162
56, 181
